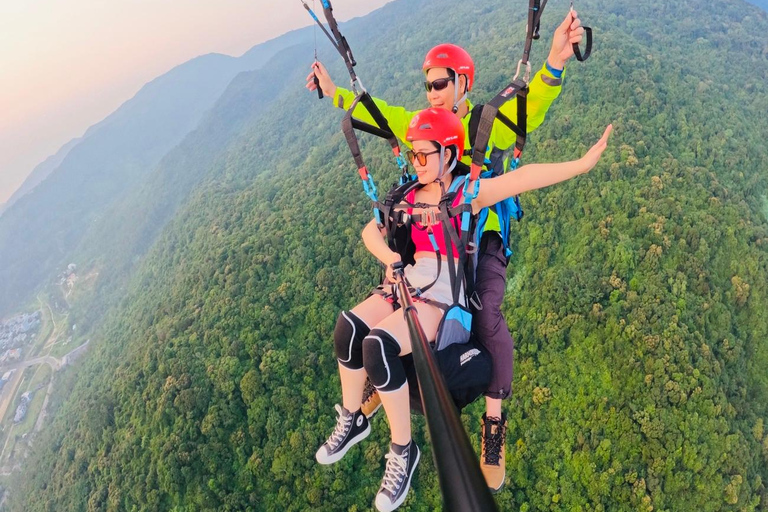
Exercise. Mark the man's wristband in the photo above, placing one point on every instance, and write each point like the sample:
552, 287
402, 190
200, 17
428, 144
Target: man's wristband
557, 73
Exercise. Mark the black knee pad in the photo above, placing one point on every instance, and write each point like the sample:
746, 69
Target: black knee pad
348, 340
382, 361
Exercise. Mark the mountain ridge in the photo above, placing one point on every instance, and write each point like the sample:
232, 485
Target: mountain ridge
636, 297
40, 230
40, 172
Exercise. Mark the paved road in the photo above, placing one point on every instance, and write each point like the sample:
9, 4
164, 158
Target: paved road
49, 360
8, 393
9, 390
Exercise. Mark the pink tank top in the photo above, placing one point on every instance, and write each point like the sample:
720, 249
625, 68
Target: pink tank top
419, 233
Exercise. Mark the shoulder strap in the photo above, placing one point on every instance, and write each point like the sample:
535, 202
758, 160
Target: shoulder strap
457, 183
474, 123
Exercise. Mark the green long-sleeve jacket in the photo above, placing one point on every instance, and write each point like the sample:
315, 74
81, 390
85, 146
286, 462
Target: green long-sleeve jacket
544, 88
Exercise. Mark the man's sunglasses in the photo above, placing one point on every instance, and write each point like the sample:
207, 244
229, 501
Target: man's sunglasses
420, 156
438, 85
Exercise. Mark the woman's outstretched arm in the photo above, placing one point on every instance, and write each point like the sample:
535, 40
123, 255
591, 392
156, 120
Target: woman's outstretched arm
535, 176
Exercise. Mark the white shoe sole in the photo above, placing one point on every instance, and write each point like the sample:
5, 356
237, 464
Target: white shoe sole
384, 505
322, 456
495, 490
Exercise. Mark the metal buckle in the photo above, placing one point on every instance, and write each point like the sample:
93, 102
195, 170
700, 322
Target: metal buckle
527, 76
357, 80
370, 189
469, 197
429, 218
476, 302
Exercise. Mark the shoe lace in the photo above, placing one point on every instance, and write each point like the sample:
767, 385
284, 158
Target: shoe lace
394, 472
493, 440
343, 424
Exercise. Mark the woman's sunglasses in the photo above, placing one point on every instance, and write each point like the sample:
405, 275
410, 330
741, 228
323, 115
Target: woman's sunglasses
438, 85
420, 156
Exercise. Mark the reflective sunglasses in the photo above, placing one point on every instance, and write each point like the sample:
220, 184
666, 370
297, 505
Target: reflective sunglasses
420, 156
438, 85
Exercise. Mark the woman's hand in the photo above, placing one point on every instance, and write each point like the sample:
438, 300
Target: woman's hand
390, 271
326, 84
589, 160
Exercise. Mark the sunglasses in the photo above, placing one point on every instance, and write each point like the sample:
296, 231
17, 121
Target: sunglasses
420, 156
438, 85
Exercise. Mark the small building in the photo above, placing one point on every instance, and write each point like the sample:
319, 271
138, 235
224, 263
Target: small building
30, 322
7, 375
14, 355
21, 410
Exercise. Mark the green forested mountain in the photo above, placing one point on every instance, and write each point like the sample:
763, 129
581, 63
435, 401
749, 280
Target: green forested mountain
637, 293
115, 245
43, 225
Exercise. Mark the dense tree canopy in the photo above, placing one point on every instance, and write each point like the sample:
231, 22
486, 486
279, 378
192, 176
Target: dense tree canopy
637, 294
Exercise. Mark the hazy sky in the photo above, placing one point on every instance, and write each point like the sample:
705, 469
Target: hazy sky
67, 64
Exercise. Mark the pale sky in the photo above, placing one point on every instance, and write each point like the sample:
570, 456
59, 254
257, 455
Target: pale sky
67, 64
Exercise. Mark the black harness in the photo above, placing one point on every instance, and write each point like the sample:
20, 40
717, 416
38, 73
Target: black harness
518, 88
349, 124
390, 214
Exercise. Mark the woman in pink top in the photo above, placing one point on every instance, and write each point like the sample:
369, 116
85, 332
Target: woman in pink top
371, 339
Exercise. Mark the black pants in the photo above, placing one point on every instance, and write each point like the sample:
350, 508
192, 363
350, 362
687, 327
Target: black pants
488, 323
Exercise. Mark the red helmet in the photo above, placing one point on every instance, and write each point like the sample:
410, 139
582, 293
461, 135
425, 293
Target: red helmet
452, 57
439, 125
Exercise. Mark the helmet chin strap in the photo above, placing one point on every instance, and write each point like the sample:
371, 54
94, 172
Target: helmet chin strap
442, 168
456, 100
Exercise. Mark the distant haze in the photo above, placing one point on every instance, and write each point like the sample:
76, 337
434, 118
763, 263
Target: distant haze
66, 65
760, 3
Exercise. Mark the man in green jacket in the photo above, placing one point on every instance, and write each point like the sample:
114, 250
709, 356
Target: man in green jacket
449, 78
